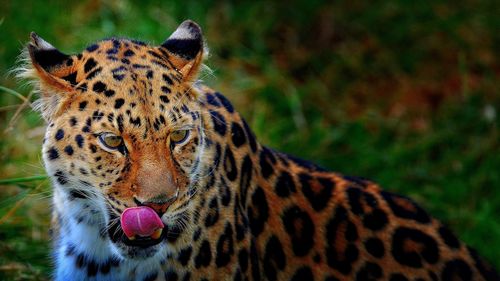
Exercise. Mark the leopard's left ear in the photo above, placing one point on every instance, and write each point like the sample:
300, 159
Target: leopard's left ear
186, 46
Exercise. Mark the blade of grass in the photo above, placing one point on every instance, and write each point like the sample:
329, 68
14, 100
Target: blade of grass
9, 107
20, 180
18, 204
14, 93
14, 118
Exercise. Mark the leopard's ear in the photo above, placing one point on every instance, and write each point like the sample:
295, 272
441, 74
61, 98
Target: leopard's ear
52, 73
53, 68
186, 46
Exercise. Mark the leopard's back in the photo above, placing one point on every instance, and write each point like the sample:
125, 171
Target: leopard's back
307, 223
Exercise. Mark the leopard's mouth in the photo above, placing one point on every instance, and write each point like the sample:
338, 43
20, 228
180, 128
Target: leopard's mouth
117, 235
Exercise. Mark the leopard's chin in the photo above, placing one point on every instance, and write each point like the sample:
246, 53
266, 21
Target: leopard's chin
138, 252
138, 248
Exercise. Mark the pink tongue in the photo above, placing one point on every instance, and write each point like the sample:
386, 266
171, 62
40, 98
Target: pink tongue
142, 221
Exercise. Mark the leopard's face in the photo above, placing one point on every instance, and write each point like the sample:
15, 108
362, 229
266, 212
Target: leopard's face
127, 133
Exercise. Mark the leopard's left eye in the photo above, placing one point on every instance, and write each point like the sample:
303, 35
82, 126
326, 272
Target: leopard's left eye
178, 136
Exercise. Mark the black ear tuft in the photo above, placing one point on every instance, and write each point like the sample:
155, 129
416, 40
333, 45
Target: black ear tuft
186, 41
44, 54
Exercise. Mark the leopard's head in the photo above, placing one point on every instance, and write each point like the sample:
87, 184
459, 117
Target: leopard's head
124, 130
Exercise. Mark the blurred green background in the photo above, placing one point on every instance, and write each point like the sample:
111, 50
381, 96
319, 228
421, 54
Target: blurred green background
406, 94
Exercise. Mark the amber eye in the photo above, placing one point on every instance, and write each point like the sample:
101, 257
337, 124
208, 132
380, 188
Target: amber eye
110, 141
178, 136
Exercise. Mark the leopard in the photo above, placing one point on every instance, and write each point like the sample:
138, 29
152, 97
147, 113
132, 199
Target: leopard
156, 176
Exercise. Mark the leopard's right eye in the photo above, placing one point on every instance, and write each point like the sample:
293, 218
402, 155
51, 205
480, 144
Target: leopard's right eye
110, 141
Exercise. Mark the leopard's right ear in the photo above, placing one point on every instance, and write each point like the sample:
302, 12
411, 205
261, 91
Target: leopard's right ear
53, 68
53, 73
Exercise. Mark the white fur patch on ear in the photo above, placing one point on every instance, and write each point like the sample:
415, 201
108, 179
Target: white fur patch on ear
186, 41
188, 30
38, 42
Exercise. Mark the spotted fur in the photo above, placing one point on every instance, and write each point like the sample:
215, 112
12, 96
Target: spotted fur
239, 210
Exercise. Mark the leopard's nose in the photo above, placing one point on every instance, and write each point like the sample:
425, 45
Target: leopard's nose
158, 203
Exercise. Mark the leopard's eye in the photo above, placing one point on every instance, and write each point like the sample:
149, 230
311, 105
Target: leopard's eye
110, 140
178, 136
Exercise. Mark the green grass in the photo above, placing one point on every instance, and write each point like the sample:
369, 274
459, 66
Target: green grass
406, 94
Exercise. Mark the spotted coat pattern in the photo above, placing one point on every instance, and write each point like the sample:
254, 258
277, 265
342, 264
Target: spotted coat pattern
242, 211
